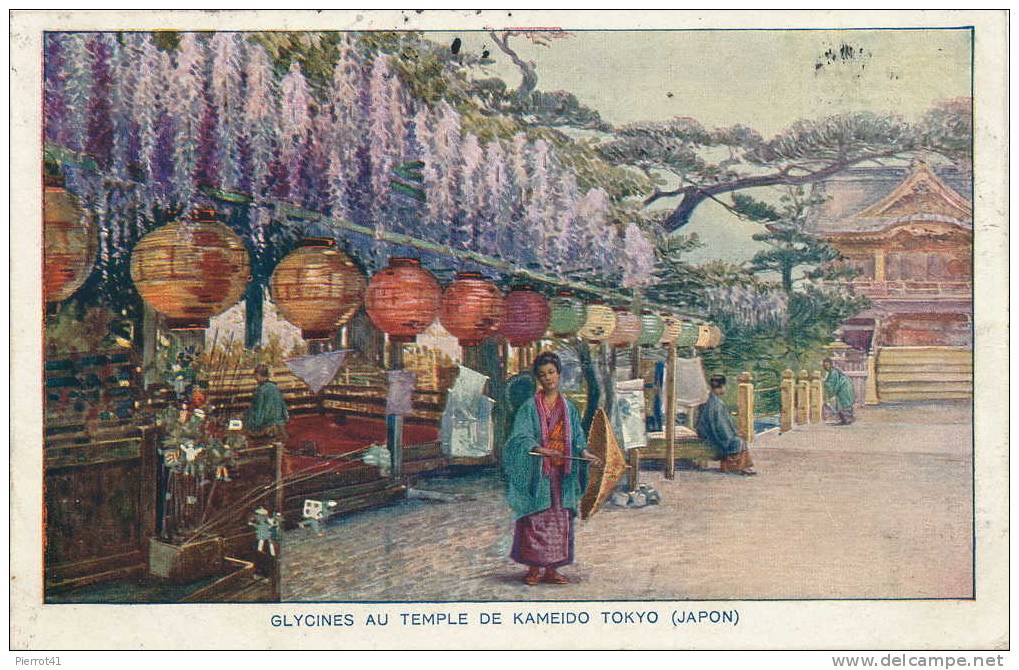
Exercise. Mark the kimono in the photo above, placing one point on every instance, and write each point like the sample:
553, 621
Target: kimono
715, 426
544, 492
268, 410
838, 389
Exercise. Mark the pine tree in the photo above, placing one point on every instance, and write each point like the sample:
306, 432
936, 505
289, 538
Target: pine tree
790, 247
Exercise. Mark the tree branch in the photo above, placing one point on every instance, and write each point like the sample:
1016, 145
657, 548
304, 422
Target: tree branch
530, 76
695, 195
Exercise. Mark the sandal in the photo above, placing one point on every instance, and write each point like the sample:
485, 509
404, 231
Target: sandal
555, 578
532, 578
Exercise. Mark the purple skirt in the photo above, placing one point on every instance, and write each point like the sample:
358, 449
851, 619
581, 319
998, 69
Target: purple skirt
545, 539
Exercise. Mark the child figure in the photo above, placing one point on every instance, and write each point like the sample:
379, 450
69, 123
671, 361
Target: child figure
265, 530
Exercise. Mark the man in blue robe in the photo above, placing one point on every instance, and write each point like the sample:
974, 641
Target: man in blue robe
715, 426
267, 416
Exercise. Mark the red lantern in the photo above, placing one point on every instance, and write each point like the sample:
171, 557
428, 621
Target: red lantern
403, 299
527, 316
317, 287
472, 308
627, 331
191, 271
70, 244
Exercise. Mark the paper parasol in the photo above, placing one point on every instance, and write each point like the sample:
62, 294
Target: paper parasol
602, 479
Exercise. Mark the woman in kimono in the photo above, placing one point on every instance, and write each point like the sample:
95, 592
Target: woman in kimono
546, 475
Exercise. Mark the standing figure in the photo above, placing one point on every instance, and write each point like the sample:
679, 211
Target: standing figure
265, 530
267, 416
838, 390
546, 471
715, 426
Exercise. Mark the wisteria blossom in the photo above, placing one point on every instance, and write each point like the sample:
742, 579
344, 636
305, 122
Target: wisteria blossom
162, 124
747, 306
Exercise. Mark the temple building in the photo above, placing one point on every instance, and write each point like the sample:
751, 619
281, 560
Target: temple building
909, 234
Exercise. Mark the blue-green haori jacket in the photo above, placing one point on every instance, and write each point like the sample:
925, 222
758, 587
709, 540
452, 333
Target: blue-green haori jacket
838, 390
528, 489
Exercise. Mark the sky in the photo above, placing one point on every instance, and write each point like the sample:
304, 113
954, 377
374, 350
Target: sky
763, 79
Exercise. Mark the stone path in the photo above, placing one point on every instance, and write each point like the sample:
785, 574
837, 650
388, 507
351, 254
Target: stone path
879, 509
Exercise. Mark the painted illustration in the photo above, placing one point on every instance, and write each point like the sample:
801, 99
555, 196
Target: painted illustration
523, 313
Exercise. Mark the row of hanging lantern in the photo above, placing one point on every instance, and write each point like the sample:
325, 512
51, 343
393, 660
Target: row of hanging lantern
193, 270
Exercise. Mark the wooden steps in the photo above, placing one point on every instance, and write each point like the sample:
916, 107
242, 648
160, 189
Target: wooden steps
924, 373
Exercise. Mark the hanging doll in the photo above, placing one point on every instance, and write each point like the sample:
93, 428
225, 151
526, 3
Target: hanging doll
190, 456
315, 512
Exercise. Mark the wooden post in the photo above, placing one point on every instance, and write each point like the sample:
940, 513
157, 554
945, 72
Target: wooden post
150, 319
787, 391
635, 452
394, 422
277, 574
149, 486
870, 397
802, 398
670, 413
816, 397
745, 407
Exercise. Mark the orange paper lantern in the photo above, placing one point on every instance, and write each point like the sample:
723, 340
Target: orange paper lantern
472, 308
191, 271
318, 288
403, 299
70, 244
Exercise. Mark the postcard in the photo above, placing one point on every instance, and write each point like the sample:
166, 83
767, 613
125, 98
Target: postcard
509, 329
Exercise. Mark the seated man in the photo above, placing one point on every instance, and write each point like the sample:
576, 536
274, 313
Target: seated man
267, 416
715, 426
838, 391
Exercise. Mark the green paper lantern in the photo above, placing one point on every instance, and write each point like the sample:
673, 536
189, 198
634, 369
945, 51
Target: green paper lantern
688, 336
568, 314
651, 329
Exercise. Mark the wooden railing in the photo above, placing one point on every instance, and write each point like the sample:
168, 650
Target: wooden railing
801, 401
893, 288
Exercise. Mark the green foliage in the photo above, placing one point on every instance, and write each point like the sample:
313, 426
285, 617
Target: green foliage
751, 208
815, 313
791, 247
